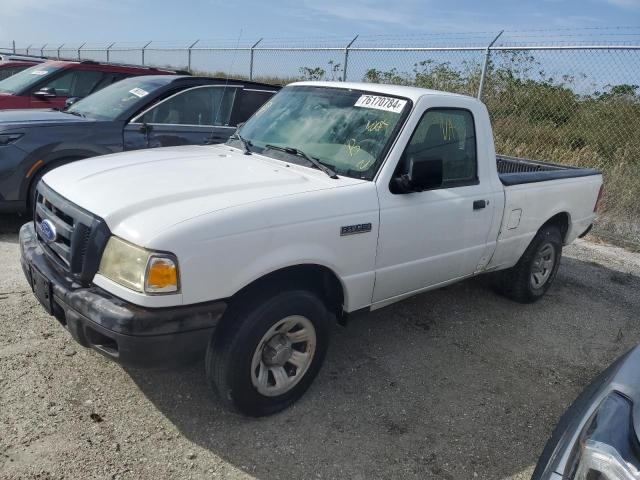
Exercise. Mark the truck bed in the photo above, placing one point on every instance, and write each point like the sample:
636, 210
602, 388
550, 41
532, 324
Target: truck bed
516, 171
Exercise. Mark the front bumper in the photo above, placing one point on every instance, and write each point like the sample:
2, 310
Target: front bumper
129, 334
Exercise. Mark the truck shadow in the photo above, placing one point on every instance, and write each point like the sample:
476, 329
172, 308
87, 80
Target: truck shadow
451, 384
10, 226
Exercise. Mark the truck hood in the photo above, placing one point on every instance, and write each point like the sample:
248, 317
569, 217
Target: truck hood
141, 194
35, 117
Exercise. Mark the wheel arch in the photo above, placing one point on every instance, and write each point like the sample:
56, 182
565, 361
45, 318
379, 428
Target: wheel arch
316, 277
44, 167
561, 220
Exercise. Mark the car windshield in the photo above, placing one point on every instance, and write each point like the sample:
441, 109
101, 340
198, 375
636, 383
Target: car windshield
25, 79
112, 101
347, 130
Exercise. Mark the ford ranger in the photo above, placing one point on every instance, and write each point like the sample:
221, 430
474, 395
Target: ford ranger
331, 198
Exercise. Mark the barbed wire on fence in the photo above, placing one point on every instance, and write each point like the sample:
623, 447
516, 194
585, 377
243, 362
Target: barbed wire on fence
564, 95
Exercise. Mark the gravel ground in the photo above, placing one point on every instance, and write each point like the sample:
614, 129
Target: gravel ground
453, 384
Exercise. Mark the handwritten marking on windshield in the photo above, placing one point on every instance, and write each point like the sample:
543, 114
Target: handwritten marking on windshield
352, 147
375, 126
448, 131
363, 165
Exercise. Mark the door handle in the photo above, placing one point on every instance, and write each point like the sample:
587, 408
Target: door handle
145, 128
478, 204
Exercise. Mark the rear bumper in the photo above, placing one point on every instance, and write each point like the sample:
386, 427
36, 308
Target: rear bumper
124, 332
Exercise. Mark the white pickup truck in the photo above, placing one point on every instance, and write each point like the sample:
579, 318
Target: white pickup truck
332, 198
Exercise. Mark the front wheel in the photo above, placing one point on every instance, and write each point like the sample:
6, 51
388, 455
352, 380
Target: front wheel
534, 273
267, 351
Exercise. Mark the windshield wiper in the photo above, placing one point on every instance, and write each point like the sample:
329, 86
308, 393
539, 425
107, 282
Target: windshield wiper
245, 143
296, 151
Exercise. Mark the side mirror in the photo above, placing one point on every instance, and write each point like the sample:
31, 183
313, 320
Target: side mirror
424, 174
47, 92
70, 101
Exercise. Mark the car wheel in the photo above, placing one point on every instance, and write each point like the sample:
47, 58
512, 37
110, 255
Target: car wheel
534, 273
31, 194
267, 350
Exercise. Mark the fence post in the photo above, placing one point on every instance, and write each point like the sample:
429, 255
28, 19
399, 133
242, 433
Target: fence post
485, 65
346, 58
251, 59
189, 55
28, 48
59, 50
42, 49
109, 48
80, 48
143, 49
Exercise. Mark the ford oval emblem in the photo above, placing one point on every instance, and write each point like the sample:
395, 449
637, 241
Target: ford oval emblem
48, 231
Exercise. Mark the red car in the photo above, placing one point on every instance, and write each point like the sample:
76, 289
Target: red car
51, 84
11, 67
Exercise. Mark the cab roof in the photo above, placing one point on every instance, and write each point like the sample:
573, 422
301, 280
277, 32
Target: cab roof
412, 93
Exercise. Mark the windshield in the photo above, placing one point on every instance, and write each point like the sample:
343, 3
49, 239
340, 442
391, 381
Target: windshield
25, 79
112, 101
347, 130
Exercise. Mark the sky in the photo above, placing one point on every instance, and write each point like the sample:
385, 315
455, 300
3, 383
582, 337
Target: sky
104, 21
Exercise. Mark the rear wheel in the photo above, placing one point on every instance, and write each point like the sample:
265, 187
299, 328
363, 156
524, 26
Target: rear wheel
267, 350
534, 273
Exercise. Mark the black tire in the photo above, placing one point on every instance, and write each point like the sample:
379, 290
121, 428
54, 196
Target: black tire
230, 353
516, 283
31, 193
41, 172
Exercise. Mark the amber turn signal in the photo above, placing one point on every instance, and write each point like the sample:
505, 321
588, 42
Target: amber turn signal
162, 275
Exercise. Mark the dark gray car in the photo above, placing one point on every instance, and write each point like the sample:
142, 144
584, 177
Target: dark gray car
135, 113
597, 438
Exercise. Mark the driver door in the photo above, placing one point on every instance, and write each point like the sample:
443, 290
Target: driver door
192, 117
439, 235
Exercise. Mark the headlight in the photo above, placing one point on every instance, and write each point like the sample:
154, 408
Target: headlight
608, 444
139, 269
7, 138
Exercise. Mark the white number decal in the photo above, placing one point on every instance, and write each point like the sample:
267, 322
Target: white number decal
388, 104
138, 92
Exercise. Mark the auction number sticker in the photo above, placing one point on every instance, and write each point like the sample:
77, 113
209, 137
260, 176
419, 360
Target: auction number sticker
138, 92
388, 104
39, 72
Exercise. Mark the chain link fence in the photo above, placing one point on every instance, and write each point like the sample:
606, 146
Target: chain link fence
561, 96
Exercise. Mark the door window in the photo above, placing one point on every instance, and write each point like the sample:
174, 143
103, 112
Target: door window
250, 101
108, 79
447, 134
200, 106
74, 83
